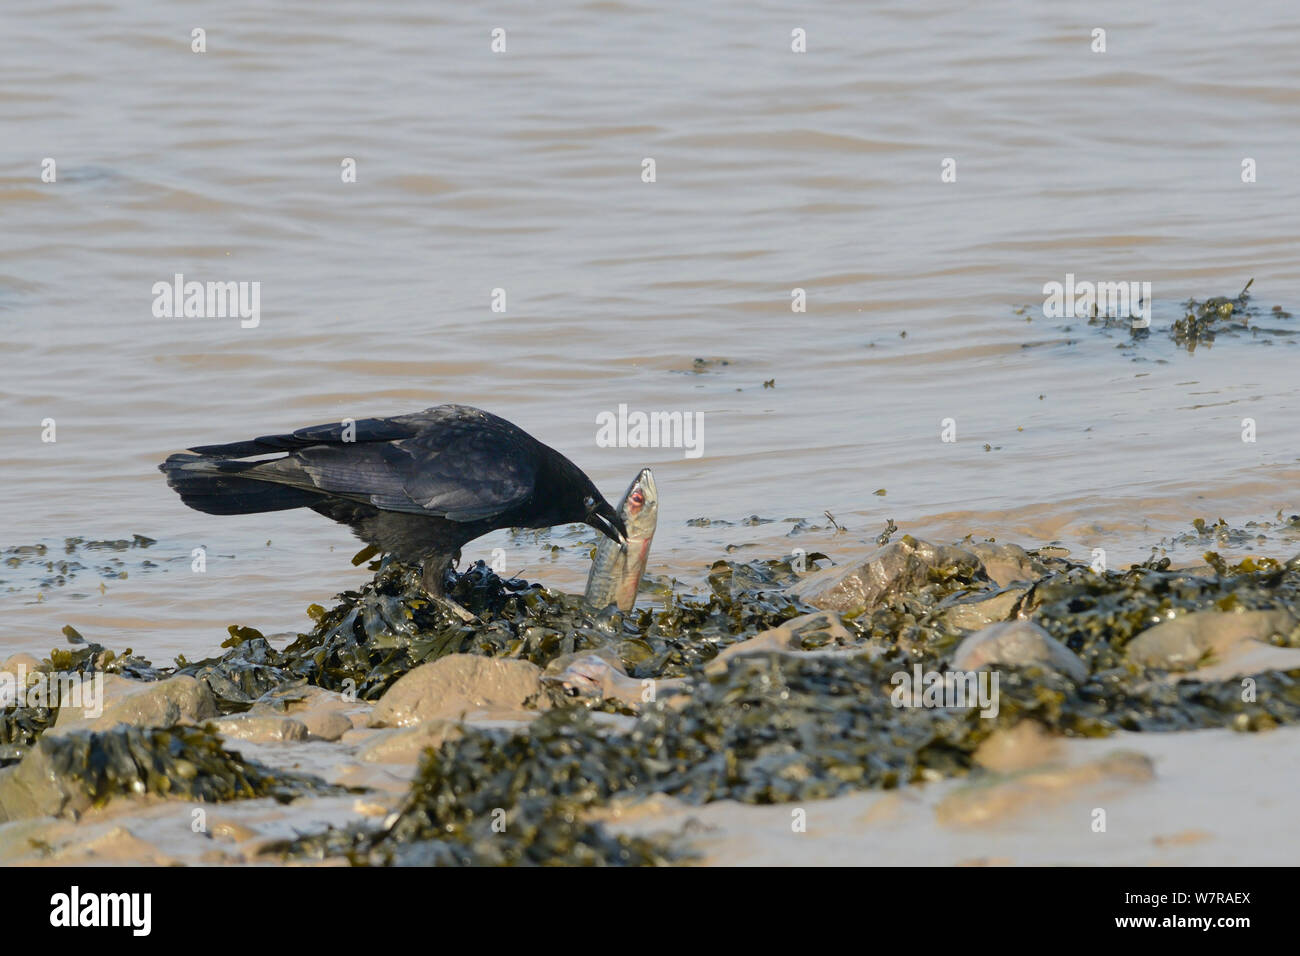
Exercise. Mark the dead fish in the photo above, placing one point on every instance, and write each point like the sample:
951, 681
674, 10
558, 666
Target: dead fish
615, 573
599, 674
588, 674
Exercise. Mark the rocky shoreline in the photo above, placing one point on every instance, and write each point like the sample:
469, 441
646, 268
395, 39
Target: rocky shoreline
393, 734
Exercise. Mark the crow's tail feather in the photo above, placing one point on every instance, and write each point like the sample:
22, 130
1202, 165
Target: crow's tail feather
217, 488
268, 445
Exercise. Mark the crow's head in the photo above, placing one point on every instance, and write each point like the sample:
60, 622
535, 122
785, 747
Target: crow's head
568, 495
602, 516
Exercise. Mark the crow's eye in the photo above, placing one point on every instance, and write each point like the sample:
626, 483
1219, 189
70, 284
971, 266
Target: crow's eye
588, 501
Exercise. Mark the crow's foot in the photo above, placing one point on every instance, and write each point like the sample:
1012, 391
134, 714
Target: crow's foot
432, 579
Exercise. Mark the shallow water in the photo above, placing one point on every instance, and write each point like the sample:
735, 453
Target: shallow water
522, 171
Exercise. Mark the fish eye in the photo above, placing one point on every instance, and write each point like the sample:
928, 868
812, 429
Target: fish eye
638, 498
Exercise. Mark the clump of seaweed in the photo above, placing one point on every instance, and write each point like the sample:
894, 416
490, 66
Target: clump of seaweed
1097, 615
377, 633
24, 720
189, 763
238, 678
20, 726
90, 657
493, 798
1202, 322
368, 640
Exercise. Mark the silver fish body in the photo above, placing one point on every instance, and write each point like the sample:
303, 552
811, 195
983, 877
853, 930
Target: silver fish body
615, 573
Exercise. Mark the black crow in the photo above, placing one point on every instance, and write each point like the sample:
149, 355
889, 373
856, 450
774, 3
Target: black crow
416, 486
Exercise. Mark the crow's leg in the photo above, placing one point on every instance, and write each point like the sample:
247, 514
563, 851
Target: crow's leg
435, 570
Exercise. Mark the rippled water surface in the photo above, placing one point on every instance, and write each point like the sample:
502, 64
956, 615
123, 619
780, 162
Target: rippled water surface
523, 171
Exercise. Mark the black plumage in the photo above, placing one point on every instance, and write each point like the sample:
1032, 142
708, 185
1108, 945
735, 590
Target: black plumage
417, 486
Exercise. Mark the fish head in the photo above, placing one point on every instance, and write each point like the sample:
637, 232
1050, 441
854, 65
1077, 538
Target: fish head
640, 506
584, 677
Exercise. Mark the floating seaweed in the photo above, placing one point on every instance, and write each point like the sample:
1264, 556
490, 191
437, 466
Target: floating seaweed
37, 567
1202, 322
1220, 534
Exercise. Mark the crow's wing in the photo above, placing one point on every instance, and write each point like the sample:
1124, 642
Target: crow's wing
457, 463
471, 469
364, 431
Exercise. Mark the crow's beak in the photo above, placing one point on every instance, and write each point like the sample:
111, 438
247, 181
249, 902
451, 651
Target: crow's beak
606, 520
